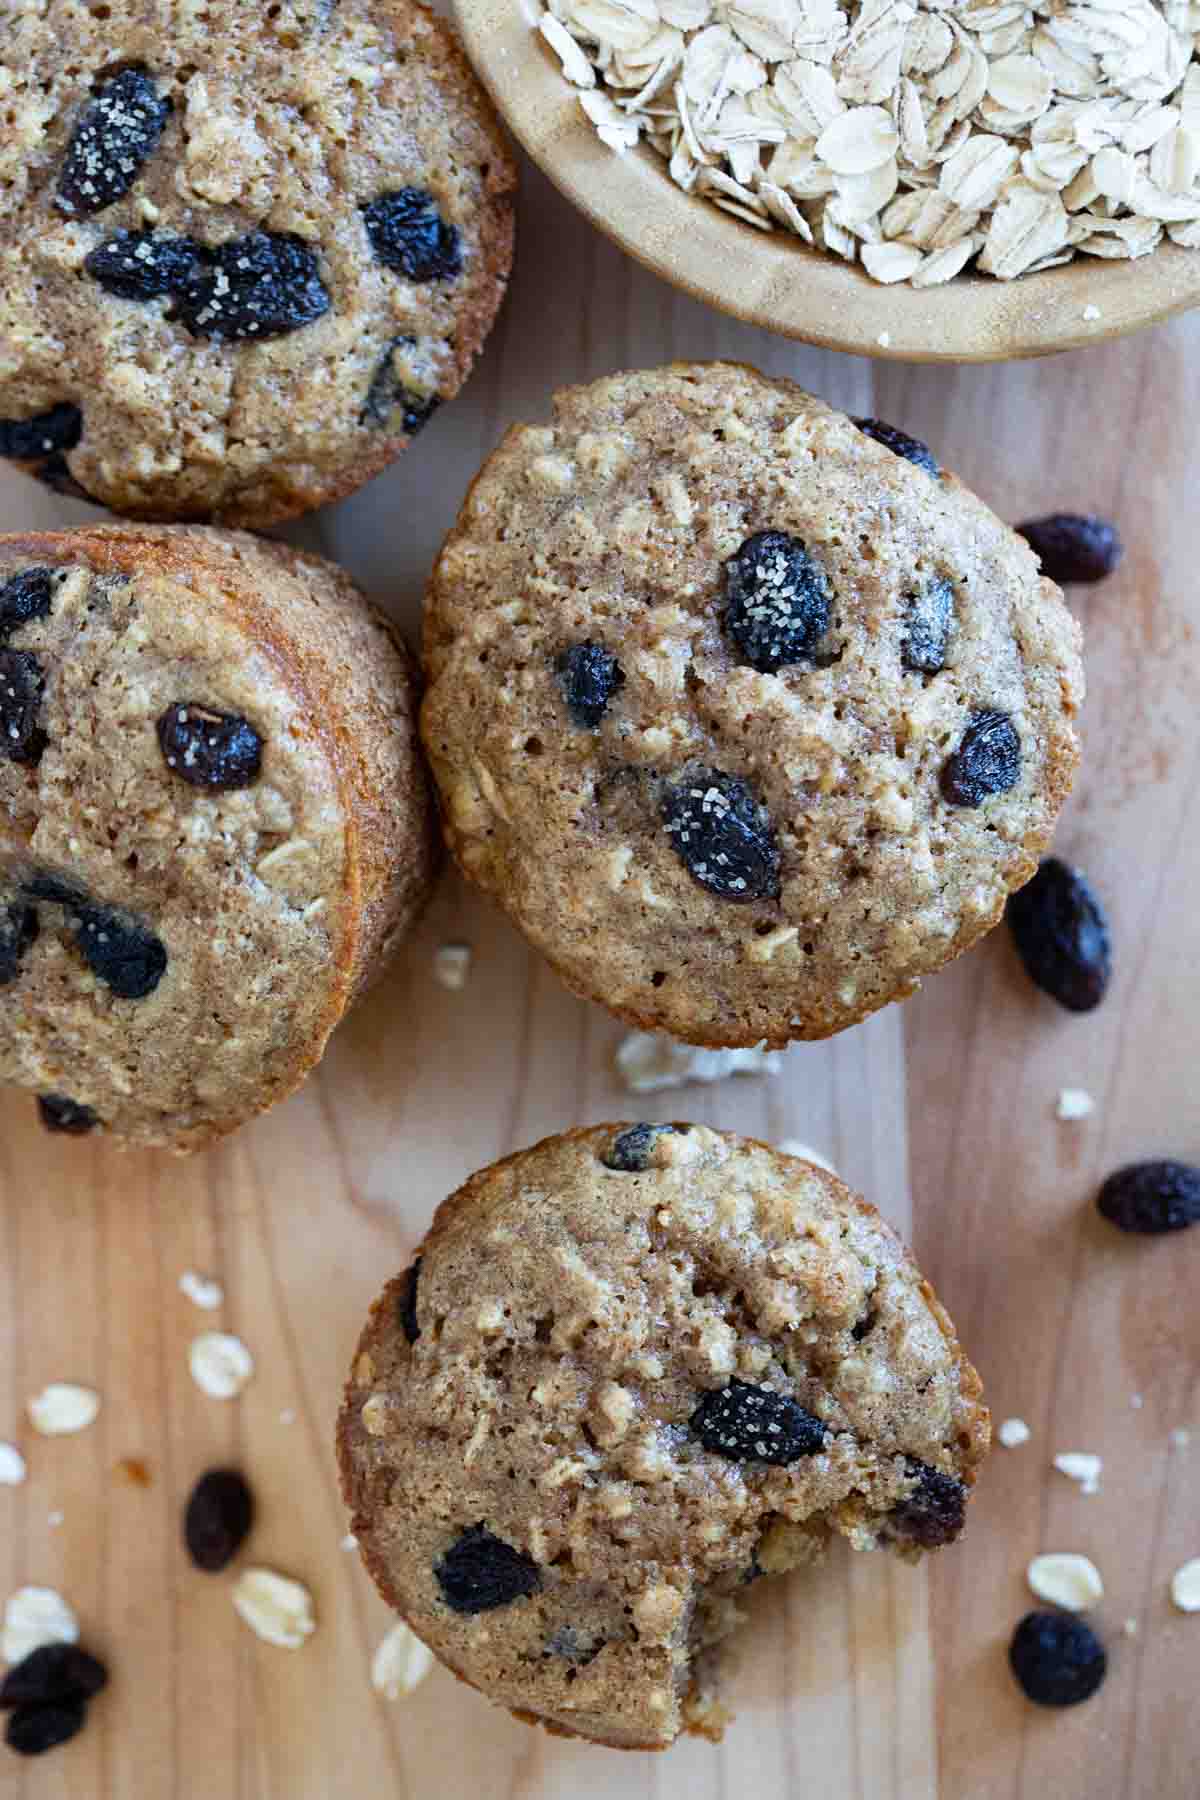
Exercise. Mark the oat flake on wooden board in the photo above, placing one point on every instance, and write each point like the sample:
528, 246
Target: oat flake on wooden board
914, 137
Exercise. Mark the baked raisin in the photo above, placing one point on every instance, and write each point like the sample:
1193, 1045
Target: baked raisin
777, 601
60, 1114
480, 1572
408, 234
25, 597
55, 890
1061, 934
1057, 1659
1152, 1197
259, 286
21, 738
900, 444
987, 761
125, 955
589, 676
139, 265
755, 1424
217, 1519
117, 131
927, 628
722, 835
934, 1513
32, 1730
391, 400
406, 1307
209, 749
630, 1151
18, 929
1074, 547
52, 1672
25, 440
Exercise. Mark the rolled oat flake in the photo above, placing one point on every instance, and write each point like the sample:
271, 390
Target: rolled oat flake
918, 141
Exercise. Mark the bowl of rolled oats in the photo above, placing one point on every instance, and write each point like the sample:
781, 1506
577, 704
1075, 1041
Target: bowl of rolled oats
957, 180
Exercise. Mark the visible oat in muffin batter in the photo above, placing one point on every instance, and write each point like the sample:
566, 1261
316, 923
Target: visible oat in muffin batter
244, 251
632, 1369
747, 714
213, 822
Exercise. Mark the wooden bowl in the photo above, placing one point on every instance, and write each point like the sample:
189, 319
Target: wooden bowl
776, 281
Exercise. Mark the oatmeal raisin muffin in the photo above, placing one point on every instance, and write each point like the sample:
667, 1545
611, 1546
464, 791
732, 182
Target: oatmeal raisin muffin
747, 713
245, 251
631, 1370
214, 822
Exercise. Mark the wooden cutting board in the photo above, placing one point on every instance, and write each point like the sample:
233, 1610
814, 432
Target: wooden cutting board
866, 1681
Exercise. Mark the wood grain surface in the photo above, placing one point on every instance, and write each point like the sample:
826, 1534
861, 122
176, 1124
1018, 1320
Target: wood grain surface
867, 1680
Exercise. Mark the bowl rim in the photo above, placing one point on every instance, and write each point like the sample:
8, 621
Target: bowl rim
775, 281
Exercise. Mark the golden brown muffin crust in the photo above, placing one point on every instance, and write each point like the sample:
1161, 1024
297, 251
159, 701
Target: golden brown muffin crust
276, 902
609, 530
570, 1318
287, 120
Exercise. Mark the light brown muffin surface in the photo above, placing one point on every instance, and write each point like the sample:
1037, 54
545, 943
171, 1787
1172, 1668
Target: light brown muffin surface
287, 122
631, 1369
612, 534
174, 954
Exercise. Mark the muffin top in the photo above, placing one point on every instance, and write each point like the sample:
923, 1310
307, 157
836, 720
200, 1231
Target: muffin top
213, 818
748, 714
244, 250
632, 1369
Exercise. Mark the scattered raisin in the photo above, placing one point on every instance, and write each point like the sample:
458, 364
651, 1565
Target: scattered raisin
722, 836
125, 955
1061, 934
25, 440
52, 1672
630, 1151
116, 132
409, 235
900, 444
390, 394
778, 601
138, 265
927, 629
755, 1424
1074, 547
987, 761
25, 597
480, 1572
589, 676
32, 1730
217, 1519
209, 749
21, 739
18, 929
406, 1307
60, 1114
934, 1513
259, 286
1057, 1659
1152, 1197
